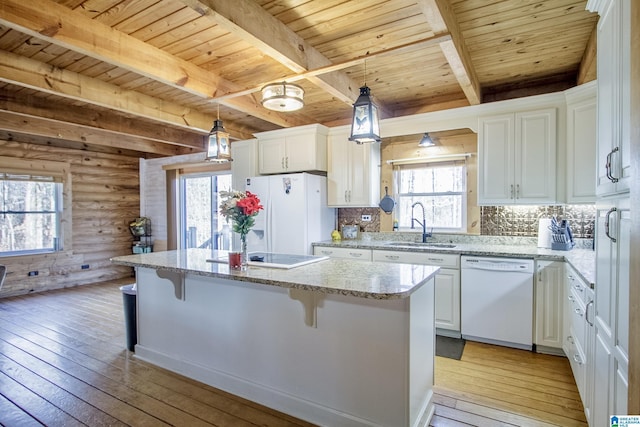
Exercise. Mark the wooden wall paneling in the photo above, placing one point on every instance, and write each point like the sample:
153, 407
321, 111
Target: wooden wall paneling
104, 196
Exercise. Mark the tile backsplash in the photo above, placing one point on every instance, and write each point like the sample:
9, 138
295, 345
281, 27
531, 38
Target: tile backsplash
498, 220
523, 220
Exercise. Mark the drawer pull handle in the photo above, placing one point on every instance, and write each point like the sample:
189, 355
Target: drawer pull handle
570, 298
570, 339
326, 252
355, 254
577, 358
435, 259
578, 287
394, 257
578, 312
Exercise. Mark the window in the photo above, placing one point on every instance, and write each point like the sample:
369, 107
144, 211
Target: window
202, 225
30, 213
442, 190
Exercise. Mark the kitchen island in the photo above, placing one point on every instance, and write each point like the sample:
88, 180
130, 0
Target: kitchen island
335, 342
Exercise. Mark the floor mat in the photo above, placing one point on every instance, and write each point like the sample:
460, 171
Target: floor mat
449, 347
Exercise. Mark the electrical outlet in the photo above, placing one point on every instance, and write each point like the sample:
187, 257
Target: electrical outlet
84, 266
366, 218
33, 273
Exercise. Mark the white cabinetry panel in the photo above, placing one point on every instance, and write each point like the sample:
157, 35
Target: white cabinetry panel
447, 283
353, 173
549, 304
299, 149
517, 158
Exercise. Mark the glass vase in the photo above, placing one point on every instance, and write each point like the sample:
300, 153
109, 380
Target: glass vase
244, 260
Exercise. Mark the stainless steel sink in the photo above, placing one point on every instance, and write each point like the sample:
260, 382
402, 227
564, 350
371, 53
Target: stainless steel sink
422, 245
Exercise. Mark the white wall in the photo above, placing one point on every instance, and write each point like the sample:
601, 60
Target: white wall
153, 193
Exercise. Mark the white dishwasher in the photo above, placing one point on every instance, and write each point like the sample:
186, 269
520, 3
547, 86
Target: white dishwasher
497, 301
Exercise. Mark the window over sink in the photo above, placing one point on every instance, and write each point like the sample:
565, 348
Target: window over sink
441, 188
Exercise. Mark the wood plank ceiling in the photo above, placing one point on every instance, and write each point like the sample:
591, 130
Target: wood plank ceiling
148, 77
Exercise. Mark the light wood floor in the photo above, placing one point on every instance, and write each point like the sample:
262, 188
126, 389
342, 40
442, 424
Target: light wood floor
63, 363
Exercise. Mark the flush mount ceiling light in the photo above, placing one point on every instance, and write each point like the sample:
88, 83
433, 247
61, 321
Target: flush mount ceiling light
365, 126
219, 150
282, 97
426, 141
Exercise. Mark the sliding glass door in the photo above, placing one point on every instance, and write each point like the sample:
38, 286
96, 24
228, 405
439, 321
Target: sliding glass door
201, 224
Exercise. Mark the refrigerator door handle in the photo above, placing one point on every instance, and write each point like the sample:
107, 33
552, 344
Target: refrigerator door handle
269, 227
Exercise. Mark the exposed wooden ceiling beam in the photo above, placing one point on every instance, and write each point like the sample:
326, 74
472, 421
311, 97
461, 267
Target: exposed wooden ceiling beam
588, 69
344, 64
99, 119
441, 18
17, 123
29, 73
15, 141
251, 23
61, 26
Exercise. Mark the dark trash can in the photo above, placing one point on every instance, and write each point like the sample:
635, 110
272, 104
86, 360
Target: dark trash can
130, 320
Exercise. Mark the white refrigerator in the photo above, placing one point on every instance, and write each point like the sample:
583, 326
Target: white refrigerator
295, 213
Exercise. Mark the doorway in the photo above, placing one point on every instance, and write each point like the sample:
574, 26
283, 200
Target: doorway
201, 224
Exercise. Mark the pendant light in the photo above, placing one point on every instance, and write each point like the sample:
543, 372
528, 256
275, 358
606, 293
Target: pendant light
282, 97
219, 150
365, 126
426, 141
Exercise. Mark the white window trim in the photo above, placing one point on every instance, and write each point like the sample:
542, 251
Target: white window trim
61, 172
426, 162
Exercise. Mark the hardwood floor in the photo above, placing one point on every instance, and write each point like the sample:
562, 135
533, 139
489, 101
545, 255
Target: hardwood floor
494, 385
63, 362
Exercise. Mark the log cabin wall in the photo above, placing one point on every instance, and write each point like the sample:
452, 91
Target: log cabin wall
105, 195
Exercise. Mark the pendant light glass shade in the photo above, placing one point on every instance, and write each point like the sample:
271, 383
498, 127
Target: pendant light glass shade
219, 149
282, 97
426, 141
365, 126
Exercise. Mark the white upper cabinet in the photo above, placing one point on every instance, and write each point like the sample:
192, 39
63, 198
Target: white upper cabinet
353, 175
581, 143
245, 162
300, 149
614, 109
517, 158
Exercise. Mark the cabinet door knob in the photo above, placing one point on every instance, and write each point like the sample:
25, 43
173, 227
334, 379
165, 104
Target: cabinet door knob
517, 191
512, 192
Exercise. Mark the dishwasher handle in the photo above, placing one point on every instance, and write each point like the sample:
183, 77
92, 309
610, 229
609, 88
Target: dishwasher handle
489, 267
506, 265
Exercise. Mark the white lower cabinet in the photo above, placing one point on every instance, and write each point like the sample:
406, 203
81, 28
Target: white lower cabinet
578, 334
549, 291
447, 284
354, 253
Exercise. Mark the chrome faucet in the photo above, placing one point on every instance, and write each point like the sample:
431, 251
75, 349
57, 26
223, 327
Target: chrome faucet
423, 223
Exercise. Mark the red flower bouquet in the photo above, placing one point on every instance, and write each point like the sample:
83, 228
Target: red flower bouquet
240, 208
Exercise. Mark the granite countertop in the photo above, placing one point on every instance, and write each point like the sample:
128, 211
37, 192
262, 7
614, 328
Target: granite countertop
582, 260
376, 280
